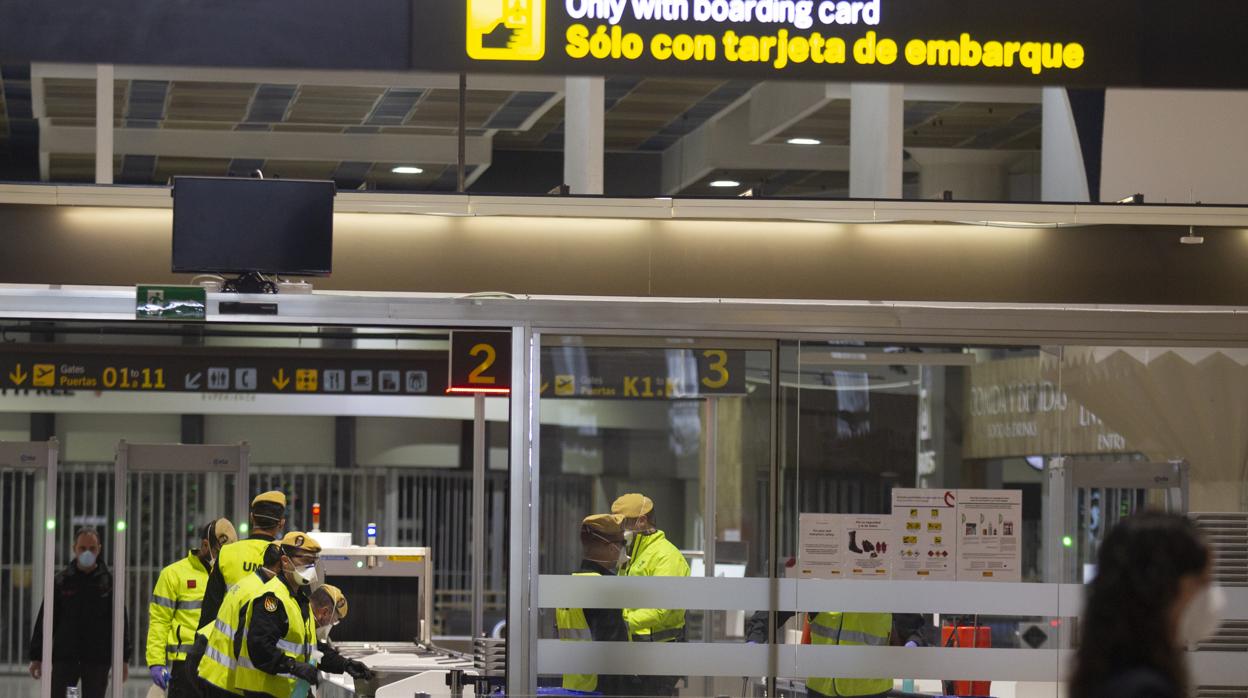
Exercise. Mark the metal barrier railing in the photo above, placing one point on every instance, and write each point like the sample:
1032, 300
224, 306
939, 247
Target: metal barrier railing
416, 507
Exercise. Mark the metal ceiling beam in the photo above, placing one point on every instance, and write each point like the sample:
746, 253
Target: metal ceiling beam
726, 144
775, 106
735, 138
369, 147
329, 78
39, 110
978, 95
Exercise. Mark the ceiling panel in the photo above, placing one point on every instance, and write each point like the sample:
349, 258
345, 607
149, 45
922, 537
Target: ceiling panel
333, 105
381, 176
959, 125
300, 169
440, 108
77, 167
198, 125
167, 167
641, 115
651, 106
70, 97
534, 137
209, 101
309, 128
829, 124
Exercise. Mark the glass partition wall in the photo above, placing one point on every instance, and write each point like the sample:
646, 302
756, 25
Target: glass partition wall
839, 516
863, 517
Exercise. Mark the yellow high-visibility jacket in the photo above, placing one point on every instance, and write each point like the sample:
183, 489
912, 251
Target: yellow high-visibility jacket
174, 611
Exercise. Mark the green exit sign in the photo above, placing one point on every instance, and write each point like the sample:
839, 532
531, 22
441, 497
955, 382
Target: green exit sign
171, 303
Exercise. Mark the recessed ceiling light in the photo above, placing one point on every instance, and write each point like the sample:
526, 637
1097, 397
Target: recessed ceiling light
804, 141
725, 183
407, 169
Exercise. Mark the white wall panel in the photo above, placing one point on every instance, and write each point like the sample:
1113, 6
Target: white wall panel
422, 443
276, 440
14, 427
1175, 146
94, 437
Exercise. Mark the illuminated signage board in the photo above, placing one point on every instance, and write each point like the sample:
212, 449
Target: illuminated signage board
1093, 43
957, 40
1063, 42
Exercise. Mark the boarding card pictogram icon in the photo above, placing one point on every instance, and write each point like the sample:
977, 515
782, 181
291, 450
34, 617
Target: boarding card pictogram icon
506, 30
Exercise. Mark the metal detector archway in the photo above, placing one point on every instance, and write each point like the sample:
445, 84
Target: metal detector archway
1066, 477
41, 457
162, 458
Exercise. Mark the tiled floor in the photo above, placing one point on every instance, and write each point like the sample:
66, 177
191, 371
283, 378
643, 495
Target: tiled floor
22, 686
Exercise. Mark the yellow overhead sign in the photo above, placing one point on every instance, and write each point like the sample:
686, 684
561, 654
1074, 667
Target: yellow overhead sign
506, 30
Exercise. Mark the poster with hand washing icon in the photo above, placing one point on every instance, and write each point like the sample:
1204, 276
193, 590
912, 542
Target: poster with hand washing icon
926, 523
989, 546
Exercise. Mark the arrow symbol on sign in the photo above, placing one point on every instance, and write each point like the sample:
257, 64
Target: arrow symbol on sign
193, 380
281, 381
18, 376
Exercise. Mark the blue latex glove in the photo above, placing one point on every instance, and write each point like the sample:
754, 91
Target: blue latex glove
912, 643
160, 676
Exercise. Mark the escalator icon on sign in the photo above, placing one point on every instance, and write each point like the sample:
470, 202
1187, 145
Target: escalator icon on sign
506, 30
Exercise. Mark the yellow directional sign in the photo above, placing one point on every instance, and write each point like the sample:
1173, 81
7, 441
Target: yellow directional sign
45, 376
302, 372
305, 380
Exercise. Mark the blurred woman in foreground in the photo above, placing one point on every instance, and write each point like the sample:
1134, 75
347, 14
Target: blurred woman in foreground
1151, 598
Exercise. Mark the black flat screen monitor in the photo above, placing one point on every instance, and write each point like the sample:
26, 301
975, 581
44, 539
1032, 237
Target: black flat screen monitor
232, 225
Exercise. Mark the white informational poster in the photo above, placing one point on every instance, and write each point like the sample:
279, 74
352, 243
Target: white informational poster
869, 546
821, 552
925, 525
845, 546
990, 532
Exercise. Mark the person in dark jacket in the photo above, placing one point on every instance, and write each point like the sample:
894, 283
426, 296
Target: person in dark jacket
82, 633
1151, 598
603, 549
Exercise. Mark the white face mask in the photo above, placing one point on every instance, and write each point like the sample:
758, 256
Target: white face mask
306, 575
628, 538
322, 632
1203, 615
86, 558
623, 559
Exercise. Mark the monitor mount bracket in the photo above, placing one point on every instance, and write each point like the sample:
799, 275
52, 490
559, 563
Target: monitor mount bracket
251, 282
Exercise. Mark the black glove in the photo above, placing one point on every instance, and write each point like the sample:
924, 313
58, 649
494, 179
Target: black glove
307, 672
359, 670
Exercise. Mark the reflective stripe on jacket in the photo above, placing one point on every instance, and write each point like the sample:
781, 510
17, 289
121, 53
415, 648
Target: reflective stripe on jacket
653, 555
174, 611
852, 629
220, 661
298, 644
573, 627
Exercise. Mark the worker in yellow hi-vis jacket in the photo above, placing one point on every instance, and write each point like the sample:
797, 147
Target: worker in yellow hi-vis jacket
173, 614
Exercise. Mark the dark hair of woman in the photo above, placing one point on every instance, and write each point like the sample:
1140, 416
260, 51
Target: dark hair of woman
1128, 616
